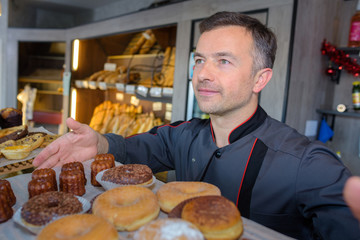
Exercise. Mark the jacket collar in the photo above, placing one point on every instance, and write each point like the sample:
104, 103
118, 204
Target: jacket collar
246, 127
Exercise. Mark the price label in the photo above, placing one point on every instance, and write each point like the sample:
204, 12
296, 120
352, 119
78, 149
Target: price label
155, 92
134, 101
157, 106
120, 86
66, 83
85, 83
142, 90
168, 92
92, 84
110, 66
169, 107
102, 85
119, 97
130, 89
168, 116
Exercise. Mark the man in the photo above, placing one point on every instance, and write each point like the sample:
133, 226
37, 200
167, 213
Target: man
352, 195
274, 175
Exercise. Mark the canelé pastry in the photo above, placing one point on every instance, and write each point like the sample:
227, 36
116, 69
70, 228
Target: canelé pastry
39, 186
72, 181
129, 174
6, 210
42, 208
72, 166
101, 162
6, 188
46, 173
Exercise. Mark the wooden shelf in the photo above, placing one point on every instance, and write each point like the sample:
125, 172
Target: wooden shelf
344, 114
36, 80
351, 50
49, 92
142, 56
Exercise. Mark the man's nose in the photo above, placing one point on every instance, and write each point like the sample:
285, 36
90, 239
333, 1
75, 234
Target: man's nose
206, 71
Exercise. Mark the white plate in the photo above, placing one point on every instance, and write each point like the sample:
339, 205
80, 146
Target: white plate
36, 229
110, 185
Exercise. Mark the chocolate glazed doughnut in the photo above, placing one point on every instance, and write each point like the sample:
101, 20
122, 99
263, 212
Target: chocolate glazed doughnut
42, 208
129, 174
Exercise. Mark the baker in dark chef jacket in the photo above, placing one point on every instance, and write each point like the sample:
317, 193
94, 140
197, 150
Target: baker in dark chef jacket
276, 176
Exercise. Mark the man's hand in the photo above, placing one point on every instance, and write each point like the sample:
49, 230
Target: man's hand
81, 144
352, 195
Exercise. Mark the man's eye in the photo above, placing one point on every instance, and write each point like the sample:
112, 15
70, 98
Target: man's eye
198, 61
223, 61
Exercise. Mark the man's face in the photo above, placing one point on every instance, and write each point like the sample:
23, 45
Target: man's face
222, 78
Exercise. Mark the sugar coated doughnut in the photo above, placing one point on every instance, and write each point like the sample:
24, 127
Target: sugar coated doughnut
79, 227
166, 228
215, 216
172, 193
127, 207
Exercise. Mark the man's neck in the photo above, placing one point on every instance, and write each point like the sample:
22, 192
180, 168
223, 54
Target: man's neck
224, 125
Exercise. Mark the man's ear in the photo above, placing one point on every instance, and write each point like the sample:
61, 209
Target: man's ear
262, 77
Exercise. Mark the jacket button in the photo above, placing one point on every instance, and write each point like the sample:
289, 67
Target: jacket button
217, 154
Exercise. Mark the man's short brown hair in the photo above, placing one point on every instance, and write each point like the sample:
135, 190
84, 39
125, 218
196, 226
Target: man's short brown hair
264, 39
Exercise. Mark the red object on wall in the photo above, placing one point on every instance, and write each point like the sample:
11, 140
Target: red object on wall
47, 117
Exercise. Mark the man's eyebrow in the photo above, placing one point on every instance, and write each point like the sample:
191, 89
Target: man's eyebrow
217, 54
224, 54
197, 54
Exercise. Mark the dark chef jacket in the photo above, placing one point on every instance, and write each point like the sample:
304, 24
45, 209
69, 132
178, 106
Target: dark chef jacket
276, 176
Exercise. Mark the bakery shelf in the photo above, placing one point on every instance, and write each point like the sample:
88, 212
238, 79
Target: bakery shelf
135, 56
36, 80
49, 92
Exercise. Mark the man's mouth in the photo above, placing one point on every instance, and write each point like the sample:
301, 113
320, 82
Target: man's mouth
207, 92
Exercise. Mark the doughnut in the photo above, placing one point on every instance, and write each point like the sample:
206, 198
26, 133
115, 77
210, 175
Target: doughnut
215, 216
79, 227
42, 208
177, 210
172, 193
166, 228
129, 174
127, 207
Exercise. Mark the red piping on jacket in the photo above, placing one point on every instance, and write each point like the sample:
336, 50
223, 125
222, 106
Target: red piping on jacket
247, 163
242, 124
212, 132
